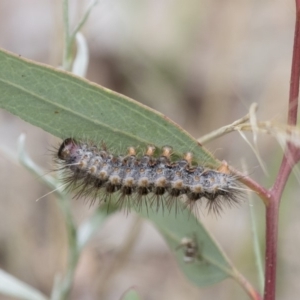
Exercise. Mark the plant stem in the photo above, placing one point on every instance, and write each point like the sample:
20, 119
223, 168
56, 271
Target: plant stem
252, 293
262, 192
223, 130
291, 157
295, 73
271, 250
73, 255
69, 37
256, 247
66, 34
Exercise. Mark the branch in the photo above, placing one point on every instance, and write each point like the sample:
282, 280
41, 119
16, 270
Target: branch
291, 157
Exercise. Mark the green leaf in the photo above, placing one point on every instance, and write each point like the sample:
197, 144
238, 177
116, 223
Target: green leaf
211, 264
11, 286
65, 106
68, 106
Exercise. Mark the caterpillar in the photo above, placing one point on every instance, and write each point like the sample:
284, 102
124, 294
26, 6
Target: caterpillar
95, 173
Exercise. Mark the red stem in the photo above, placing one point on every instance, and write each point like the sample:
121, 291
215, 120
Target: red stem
262, 192
291, 157
272, 196
295, 72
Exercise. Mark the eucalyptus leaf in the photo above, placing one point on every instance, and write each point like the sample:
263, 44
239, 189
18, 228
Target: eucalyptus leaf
66, 105
69, 106
210, 264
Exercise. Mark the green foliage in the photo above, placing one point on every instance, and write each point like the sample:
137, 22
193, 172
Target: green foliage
210, 266
65, 105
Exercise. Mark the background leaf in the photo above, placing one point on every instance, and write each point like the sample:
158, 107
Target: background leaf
11, 286
131, 294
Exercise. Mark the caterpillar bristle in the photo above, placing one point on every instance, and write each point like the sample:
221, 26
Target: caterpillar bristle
150, 151
95, 174
166, 151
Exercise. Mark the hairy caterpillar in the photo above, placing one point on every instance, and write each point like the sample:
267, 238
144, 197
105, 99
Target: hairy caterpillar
97, 174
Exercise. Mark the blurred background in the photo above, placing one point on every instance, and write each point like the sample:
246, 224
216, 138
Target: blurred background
200, 62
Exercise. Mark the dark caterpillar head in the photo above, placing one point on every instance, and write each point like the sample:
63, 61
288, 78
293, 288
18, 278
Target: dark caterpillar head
66, 149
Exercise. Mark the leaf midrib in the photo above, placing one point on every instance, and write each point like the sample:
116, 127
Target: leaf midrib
93, 121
